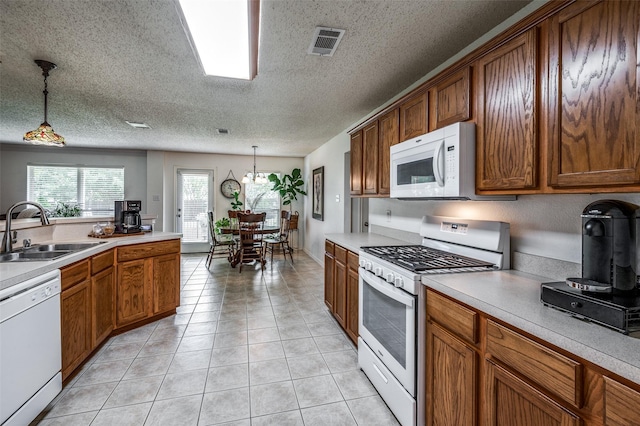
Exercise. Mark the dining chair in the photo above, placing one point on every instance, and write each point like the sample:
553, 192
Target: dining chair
218, 241
251, 244
282, 239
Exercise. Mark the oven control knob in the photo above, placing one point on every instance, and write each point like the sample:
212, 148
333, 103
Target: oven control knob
390, 277
368, 265
398, 282
362, 262
378, 272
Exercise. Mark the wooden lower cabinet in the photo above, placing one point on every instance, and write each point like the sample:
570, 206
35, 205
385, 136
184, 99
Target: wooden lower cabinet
504, 377
103, 291
329, 285
351, 326
101, 294
341, 287
166, 283
134, 292
511, 401
75, 316
451, 379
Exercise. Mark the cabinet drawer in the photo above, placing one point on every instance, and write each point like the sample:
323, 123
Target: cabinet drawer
140, 251
456, 318
341, 254
329, 247
547, 368
74, 274
101, 261
352, 260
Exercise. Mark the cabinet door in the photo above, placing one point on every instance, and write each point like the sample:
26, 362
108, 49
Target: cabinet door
352, 304
389, 136
451, 379
413, 117
75, 313
506, 137
594, 97
329, 271
449, 100
356, 164
340, 294
621, 404
133, 291
166, 283
370, 159
103, 302
511, 401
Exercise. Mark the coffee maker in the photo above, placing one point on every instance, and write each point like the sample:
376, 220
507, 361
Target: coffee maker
608, 292
127, 216
609, 262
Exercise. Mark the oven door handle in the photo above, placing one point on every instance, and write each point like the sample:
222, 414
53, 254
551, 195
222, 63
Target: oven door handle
387, 289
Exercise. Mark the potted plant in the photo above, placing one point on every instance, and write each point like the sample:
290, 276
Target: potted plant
289, 187
221, 223
236, 204
66, 210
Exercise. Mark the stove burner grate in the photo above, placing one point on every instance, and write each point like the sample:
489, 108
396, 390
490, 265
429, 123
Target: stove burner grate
422, 259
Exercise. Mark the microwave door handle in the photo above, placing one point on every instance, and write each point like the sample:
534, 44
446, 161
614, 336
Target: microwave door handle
438, 163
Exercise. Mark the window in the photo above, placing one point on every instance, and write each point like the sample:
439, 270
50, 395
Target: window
260, 198
94, 189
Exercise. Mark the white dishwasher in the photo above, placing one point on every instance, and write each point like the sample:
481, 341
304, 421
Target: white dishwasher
30, 348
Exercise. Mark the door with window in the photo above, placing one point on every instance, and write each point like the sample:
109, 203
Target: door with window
194, 199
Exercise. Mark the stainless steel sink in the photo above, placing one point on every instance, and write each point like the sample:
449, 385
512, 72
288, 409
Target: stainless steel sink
62, 247
45, 252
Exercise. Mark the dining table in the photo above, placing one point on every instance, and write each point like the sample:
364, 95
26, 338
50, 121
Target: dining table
234, 253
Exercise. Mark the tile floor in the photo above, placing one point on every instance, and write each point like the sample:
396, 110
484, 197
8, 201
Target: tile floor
243, 349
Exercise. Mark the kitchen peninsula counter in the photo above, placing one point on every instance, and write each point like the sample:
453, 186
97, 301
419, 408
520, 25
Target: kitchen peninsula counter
12, 273
514, 298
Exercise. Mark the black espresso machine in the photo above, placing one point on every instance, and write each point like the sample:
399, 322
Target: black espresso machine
127, 216
608, 292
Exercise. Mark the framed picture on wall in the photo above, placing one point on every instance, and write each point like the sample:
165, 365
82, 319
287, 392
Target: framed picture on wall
318, 193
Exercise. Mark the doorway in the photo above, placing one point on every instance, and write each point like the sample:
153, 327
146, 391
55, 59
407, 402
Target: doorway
193, 200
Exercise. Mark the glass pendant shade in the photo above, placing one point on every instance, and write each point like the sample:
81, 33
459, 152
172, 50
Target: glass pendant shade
255, 177
44, 135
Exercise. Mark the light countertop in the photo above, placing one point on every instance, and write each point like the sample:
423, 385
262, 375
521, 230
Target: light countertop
354, 241
12, 273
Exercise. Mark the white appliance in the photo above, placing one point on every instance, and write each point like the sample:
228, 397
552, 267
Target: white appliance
30, 348
437, 165
392, 313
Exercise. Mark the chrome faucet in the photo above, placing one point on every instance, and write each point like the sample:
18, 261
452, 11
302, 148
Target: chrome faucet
7, 240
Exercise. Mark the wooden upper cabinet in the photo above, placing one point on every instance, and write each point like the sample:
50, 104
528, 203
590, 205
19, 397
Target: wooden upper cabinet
388, 126
413, 117
449, 100
370, 159
593, 95
356, 164
506, 137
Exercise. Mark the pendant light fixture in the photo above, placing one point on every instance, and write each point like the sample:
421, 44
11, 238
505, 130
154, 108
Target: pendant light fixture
44, 135
255, 177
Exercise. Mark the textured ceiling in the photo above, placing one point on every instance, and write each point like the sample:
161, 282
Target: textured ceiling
130, 60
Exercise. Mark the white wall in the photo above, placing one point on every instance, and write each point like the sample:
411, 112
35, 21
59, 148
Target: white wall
164, 165
331, 157
14, 160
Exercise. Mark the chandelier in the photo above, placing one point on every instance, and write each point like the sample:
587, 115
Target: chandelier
44, 135
255, 177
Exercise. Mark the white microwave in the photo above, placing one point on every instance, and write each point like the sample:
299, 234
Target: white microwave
437, 165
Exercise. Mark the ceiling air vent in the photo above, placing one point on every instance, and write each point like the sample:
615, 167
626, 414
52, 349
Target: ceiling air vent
325, 41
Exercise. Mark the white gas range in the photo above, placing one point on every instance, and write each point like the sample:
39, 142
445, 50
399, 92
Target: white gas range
392, 312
